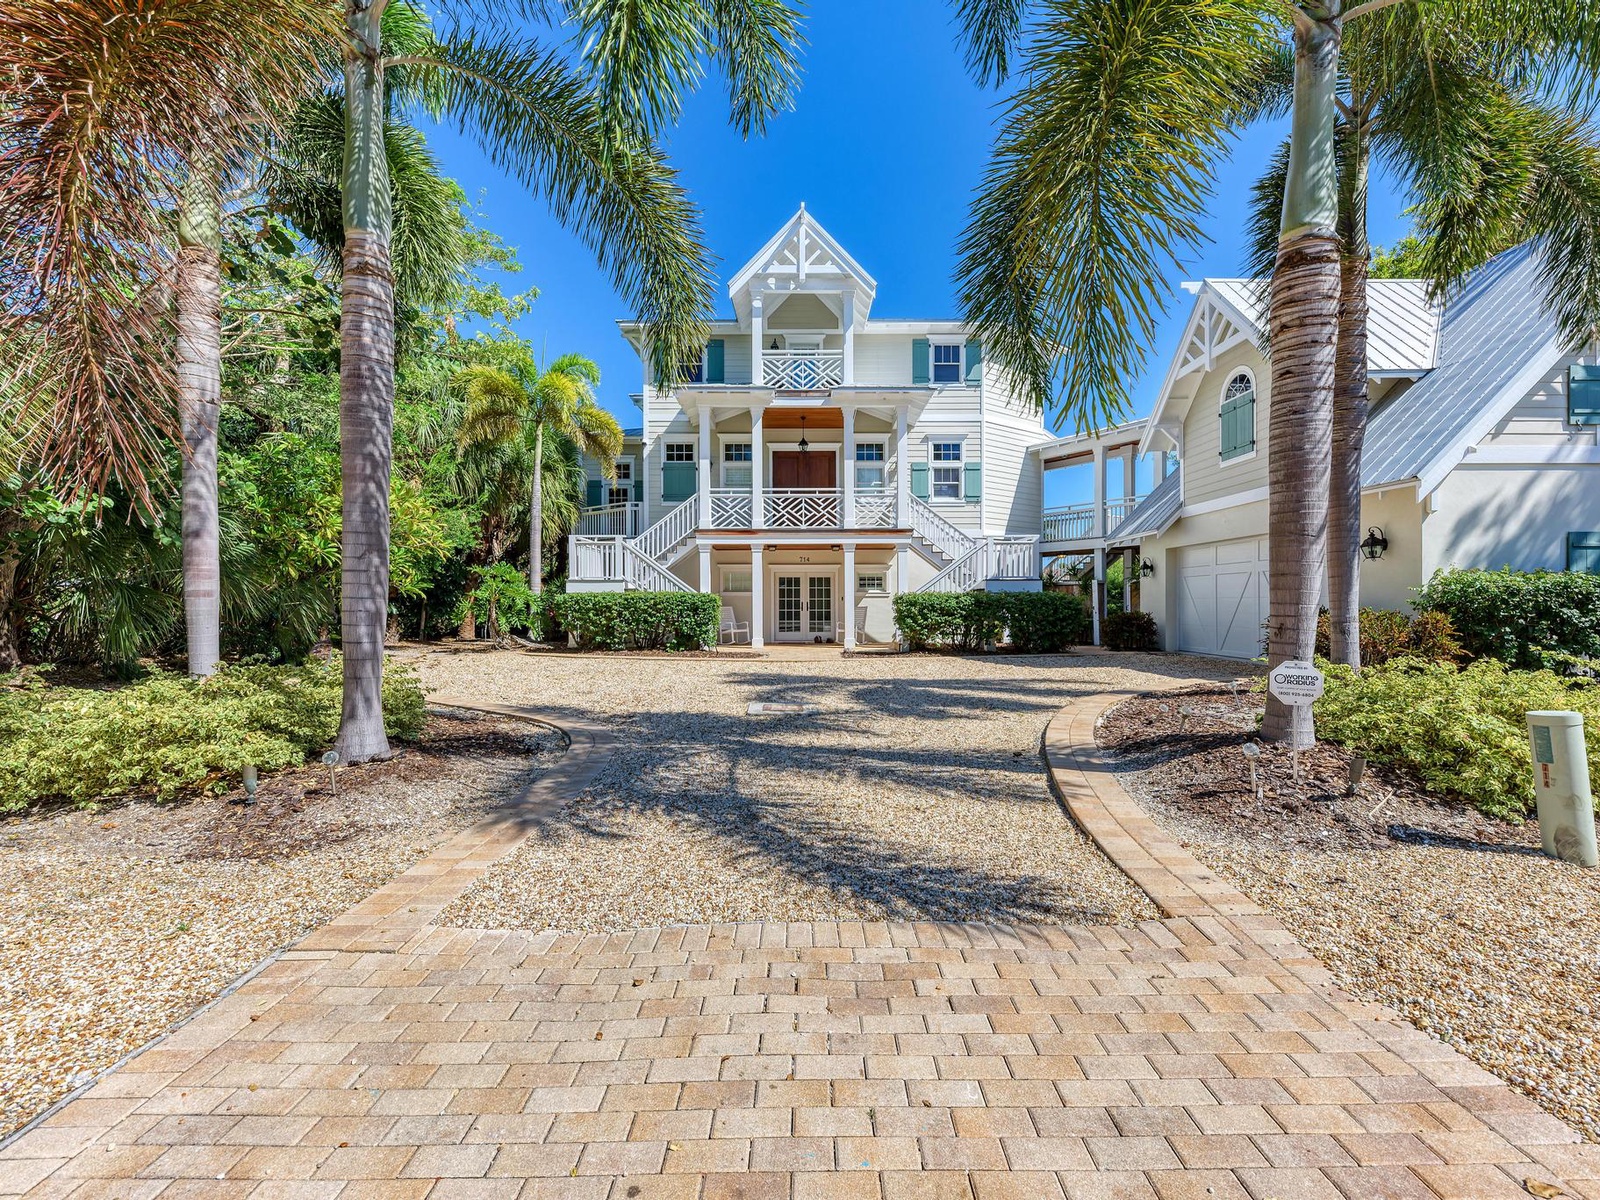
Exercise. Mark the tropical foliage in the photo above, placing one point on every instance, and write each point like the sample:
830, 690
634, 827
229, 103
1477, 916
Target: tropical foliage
1032, 622
638, 620
1521, 618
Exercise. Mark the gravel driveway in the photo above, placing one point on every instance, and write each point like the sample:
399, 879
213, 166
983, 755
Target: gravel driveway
916, 792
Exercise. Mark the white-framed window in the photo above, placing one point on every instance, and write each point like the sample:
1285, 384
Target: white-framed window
944, 469
946, 362
620, 490
736, 579
680, 452
736, 460
874, 581
869, 467
1236, 416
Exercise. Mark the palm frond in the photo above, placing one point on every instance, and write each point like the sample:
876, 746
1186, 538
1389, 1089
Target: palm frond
1097, 184
497, 407
993, 31
757, 45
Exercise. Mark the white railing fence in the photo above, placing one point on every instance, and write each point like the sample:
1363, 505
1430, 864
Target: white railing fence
1075, 522
595, 557
610, 520
802, 370
964, 575
802, 508
730, 508
931, 527
647, 574
670, 530
1014, 558
875, 510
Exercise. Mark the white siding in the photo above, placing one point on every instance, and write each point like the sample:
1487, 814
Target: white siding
1540, 417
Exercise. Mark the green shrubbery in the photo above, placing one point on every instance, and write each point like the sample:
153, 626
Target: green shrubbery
1129, 631
1517, 616
1387, 635
501, 600
168, 734
1038, 622
638, 620
1462, 732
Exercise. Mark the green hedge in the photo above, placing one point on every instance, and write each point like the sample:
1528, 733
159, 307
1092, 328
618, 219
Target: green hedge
638, 620
1037, 622
1387, 635
1462, 732
1129, 631
168, 734
1514, 615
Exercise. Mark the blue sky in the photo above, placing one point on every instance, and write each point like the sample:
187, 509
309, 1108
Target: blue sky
885, 146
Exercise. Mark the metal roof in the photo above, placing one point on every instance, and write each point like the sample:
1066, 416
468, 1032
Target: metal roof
1154, 514
1402, 325
1495, 341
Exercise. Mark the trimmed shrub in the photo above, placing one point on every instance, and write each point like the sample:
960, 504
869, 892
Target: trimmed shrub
1038, 622
1129, 631
638, 620
1515, 616
168, 735
1462, 732
1387, 635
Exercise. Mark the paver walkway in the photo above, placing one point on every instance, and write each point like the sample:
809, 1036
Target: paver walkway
1200, 1056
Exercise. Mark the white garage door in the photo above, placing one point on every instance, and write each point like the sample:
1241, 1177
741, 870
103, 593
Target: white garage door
1222, 598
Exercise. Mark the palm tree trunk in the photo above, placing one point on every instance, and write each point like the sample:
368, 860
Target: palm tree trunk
536, 516
10, 562
1305, 315
1349, 409
366, 391
199, 374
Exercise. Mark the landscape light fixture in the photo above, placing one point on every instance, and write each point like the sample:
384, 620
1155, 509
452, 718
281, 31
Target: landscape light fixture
1147, 568
1375, 543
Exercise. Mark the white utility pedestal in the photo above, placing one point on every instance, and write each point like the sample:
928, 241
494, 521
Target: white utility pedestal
1561, 786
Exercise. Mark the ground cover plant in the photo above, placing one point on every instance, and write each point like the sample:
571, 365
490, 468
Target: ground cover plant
1036, 622
1461, 732
638, 620
167, 735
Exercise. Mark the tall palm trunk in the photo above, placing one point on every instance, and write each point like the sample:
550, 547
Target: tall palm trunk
1349, 407
1305, 315
11, 529
366, 390
199, 374
536, 517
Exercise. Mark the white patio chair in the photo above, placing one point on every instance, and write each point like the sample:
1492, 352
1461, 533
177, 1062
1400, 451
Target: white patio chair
732, 630
861, 626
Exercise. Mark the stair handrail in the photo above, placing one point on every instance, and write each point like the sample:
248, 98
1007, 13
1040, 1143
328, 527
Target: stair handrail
966, 573
646, 573
931, 527
670, 530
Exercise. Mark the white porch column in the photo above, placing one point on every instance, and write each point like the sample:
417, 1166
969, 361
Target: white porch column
645, 451
758, 376
758, 610
758, 453
705, 568
902, 468
848, 321
1129, 483
703, 474
847, 470
1098, 590
849, 596
1129, 566
902, 575
1098, 529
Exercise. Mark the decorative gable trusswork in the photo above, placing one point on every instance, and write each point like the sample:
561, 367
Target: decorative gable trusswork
1213, 331
804, 257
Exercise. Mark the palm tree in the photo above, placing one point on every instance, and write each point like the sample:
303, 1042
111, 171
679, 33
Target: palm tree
1440, 98
588, 153
1101, 171
519, 405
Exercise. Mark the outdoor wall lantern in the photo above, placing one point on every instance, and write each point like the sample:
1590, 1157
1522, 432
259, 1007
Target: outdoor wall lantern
1147, 568
805, 446
1375, 543
774, 345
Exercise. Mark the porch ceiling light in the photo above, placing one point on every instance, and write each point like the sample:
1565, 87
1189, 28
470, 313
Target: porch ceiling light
1375, 544
805, 446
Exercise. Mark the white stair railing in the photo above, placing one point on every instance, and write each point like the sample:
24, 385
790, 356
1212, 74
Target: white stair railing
1015, 557
671, 530
934, 529
596, 557
966, 574
647, 574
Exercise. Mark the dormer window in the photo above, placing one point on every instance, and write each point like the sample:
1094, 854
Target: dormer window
946, 362
1236, 420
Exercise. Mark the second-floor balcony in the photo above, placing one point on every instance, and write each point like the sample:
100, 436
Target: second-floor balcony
802, 370
1076, 522
801, 508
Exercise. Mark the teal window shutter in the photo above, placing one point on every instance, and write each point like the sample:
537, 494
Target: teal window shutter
1237, 426
974, 481
638, 491
714, 361
595, 494
974, 363
1583, 552
919, 478
919, 361
1583, 395
678, 480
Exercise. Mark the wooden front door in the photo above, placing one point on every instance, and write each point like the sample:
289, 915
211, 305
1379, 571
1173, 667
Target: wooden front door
799, 469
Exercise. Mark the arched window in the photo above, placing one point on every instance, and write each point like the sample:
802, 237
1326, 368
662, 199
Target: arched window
1236, 420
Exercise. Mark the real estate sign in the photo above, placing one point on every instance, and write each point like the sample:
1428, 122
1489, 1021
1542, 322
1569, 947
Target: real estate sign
1295, 683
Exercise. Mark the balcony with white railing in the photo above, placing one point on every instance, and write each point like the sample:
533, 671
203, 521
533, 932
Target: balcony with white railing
610, 520
1075, 522
801, 508
803, 370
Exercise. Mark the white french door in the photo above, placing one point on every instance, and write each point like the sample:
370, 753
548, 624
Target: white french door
804, 605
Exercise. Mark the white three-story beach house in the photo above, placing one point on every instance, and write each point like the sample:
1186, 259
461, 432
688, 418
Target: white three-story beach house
817, 461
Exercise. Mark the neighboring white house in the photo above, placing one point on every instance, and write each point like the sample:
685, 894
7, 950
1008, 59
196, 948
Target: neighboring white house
1481, 452
819, 461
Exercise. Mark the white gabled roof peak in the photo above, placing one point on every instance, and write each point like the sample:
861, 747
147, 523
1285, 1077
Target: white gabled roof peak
802, 257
